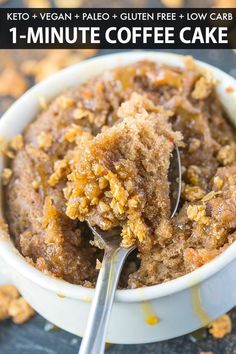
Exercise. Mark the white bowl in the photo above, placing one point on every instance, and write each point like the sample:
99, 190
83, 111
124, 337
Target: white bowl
182, 305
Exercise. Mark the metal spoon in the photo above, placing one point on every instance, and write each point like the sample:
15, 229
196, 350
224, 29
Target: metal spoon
114, 256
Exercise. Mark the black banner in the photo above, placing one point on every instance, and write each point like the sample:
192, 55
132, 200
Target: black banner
149, 28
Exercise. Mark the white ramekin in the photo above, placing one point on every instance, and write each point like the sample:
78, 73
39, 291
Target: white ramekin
181, 305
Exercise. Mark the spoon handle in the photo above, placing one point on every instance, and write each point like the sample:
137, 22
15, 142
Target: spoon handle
95, 334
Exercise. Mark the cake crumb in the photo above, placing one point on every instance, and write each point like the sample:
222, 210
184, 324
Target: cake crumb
65, 102
80, 113
3, 145
194, 145
35, 184
220, 327
7, 294
4, 305
53, 232
88, 284
4, 227
60, 169
218, 183
193, 174
10, 291
17, 142
12, 83
6, 176
98, 264
203, 88
20, 310
197, 213
227, 154
44, 140
42, 102
13, 305
5, 150
72, 132
193, 193
210, 196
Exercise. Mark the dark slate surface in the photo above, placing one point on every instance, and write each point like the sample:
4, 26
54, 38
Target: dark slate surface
34, 338
31, 338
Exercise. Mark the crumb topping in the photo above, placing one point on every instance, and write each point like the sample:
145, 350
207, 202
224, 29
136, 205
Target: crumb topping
6, 176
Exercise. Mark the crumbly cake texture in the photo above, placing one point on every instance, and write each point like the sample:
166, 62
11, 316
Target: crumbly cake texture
119, 177
39, 195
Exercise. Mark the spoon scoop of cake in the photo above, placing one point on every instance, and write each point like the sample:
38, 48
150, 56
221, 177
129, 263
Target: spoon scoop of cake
120, 177
123, 182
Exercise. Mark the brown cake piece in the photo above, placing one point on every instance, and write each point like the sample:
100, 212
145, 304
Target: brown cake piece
119, 177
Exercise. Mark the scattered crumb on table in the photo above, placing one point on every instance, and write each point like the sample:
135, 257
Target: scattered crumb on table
13, 305
220, 327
